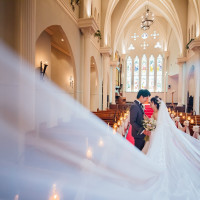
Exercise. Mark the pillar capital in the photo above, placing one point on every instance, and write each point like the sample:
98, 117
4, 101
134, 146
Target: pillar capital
114, 63
181, 60
106, 51
166, 54
124, 56
195, 45
88, 25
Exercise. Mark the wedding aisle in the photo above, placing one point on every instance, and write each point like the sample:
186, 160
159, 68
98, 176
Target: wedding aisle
148, 111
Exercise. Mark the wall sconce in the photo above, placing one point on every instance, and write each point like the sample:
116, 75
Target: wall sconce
71, 82
43, 69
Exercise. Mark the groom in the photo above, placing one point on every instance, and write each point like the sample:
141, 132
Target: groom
136, 117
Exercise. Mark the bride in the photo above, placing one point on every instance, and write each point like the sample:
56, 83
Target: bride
155, 105
53, 148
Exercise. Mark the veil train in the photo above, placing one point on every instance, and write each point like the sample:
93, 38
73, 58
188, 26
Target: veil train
52, 147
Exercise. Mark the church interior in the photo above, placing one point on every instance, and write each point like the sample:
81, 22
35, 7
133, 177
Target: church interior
102, 42
102, 52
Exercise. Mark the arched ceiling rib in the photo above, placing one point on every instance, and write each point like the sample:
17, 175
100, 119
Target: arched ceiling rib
164, 7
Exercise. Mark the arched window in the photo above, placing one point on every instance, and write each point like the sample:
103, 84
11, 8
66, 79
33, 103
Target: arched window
151, 73
159, 74
129, 74
98, 22
144, 72
136, 74
95, 14
189, 36
192, 36
195, 30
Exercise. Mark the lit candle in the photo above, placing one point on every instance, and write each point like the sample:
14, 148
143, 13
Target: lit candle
118, 123
55, 195
89, 153
101, 143
108, 124
181, 114
115, 126
16, 197
114, 131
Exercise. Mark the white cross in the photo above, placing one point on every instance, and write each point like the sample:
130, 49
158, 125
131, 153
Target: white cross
134, 36
154, 35
144, 45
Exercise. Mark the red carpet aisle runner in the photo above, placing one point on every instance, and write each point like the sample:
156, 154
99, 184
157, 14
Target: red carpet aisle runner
148, 111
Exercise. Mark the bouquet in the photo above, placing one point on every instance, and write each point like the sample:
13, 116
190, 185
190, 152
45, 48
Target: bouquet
149, 124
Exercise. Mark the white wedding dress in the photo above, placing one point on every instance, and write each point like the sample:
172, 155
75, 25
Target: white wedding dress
48, 138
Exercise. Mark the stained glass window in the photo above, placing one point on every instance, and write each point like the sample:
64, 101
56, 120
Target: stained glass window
144, 72
136, 74
129, 74
151, 73
159, 74
137, 71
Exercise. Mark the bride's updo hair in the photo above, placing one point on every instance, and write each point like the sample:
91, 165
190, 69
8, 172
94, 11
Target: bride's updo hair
157, 101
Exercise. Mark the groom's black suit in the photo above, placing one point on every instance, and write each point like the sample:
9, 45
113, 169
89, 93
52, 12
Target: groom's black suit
136, 117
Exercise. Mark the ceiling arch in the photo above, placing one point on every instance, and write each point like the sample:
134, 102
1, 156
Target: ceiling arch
111, 6
197, 18
132, 10
166, 9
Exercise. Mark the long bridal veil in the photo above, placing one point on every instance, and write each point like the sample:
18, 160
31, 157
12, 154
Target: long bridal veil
53, 148
179, 154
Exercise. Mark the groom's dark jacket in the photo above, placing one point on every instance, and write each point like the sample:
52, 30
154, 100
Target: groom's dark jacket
136, 117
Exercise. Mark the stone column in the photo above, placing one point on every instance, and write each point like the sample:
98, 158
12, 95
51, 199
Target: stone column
113, 64
195, 47
180, 62
124, 74
26, 11
27, 30
106, 52
166, 55
88, 27
86, 71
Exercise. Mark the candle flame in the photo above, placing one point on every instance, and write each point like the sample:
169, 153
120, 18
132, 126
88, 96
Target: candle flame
101, 143
89, 153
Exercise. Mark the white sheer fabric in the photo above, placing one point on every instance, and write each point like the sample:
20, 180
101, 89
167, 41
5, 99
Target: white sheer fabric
179, 155
47, 138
